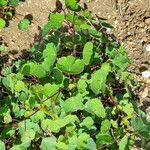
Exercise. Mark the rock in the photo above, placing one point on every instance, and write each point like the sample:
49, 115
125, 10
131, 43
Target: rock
146, 74
142, 24
148, 48
147, 20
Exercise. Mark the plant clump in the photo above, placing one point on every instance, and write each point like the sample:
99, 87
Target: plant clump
7, 11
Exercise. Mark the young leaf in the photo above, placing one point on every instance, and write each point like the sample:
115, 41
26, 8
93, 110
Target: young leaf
121, 61
49, 55
72, 145
72, 4
81, 86
48, 143
98, 80
88, 53
24, 24
28, 135
105, 126
123, 143
91, 145
17, 147
38, 70
95, 106
82, 140
2, 23
19, 86
56, 20
50, 89
73, 104
87, 122
14, 2
104, 139
46, 29
70, 65
56, 125
26, 69
2, 145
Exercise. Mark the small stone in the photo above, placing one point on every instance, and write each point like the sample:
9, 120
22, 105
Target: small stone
142, 24
108, 30
147, 20
144, 39
146, 74
148, 48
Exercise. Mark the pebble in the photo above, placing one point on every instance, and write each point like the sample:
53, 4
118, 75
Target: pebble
148, 48
142, 25
146, 74
147, 20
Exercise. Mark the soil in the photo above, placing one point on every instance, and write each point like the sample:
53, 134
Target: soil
130, 18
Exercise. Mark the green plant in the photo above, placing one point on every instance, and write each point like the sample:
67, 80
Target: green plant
73, 92
2, 23
23, 24
7, 11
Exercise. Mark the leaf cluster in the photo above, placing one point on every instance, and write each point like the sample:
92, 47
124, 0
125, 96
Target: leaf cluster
74, 91
7, 11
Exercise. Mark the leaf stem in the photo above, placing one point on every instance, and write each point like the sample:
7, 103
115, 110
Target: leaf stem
73, 36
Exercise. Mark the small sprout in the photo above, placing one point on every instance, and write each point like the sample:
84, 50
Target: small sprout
14, 2
2, 48
2, 23
24, 24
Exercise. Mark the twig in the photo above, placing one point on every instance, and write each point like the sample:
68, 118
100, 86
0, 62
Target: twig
73, 36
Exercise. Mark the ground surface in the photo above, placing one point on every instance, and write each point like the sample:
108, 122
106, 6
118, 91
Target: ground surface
130, 18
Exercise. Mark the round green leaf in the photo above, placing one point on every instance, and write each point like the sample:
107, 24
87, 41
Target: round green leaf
2, 23
24, 24
70, 65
